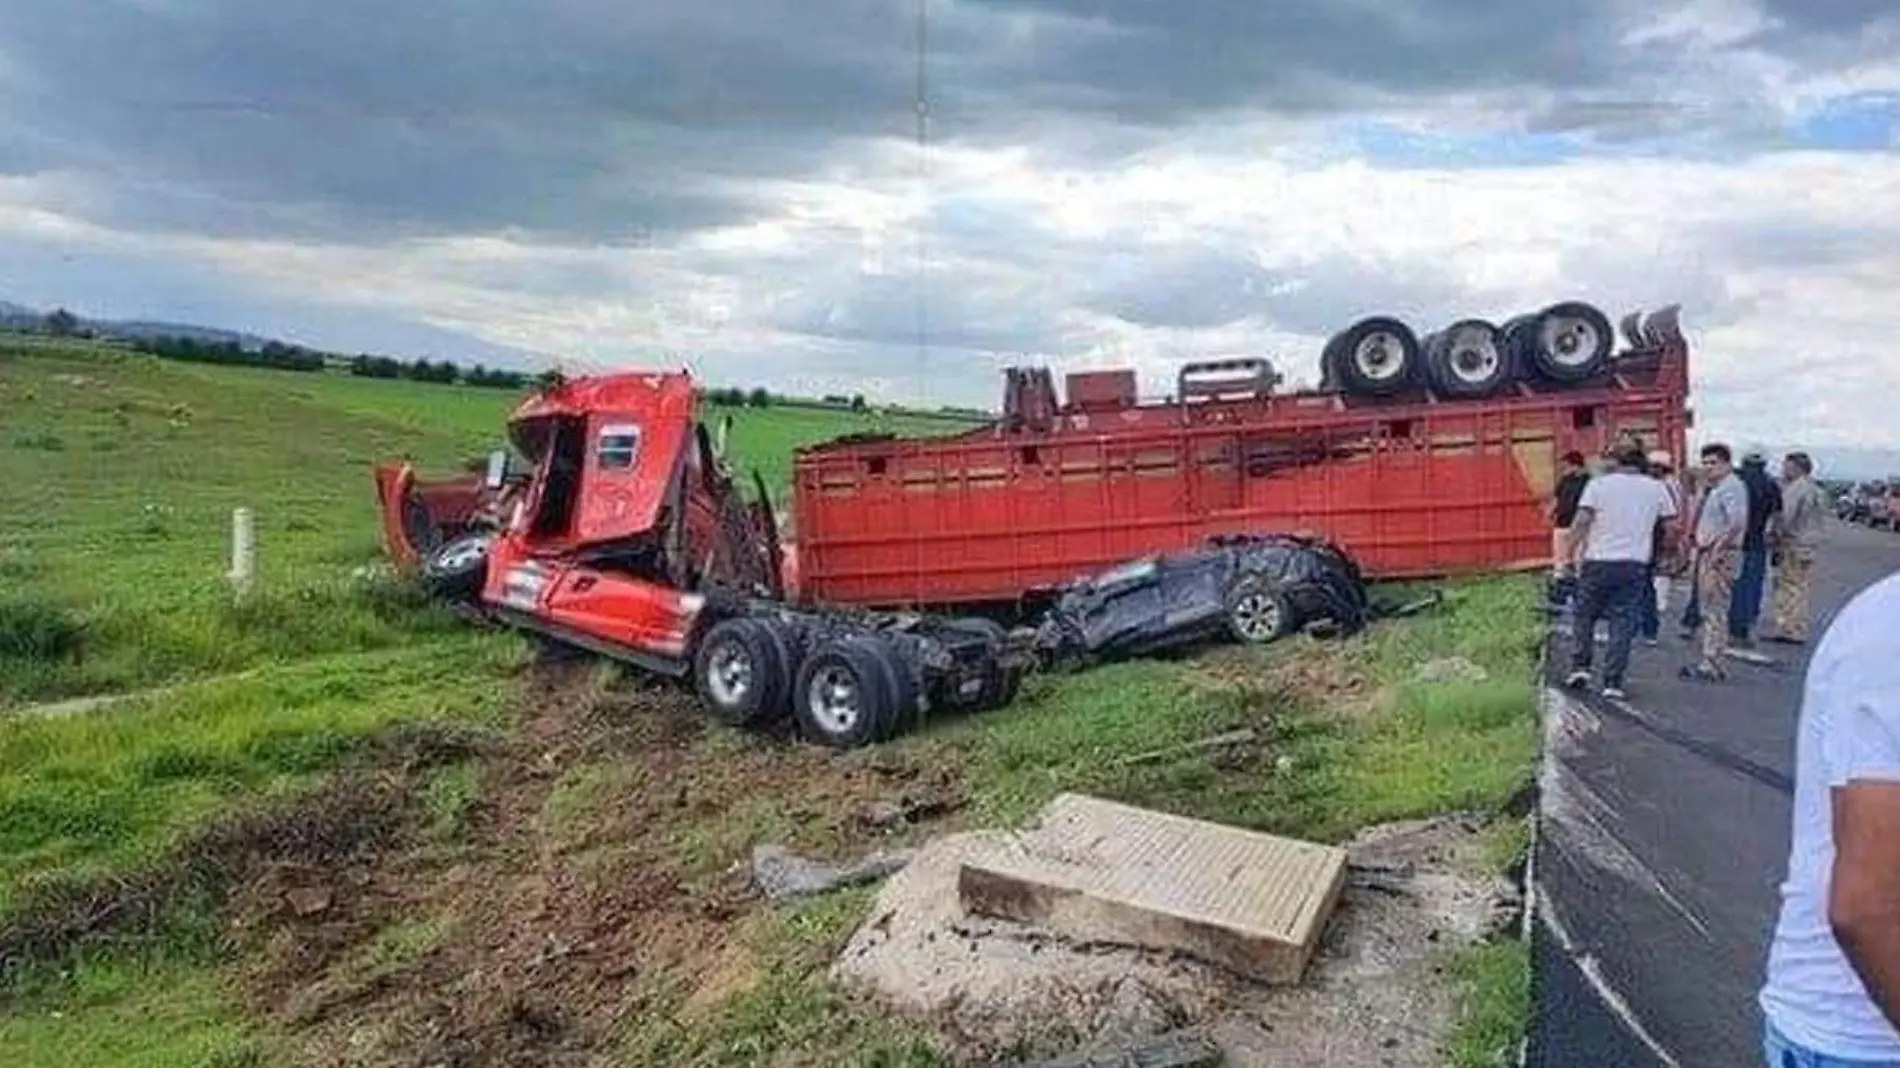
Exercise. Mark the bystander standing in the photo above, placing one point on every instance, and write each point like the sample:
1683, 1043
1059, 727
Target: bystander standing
1832, 995
1666, 560
1563, 513
1764, 504
1613, 537
1797, 539
1721, 523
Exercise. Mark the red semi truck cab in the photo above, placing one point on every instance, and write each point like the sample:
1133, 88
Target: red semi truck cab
621, 531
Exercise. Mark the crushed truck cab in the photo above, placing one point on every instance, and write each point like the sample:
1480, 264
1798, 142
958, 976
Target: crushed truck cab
615, 526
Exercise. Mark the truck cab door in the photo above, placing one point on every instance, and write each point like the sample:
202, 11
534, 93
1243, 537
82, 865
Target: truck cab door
628, 477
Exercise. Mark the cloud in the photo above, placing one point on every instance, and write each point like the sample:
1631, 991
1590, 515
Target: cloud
1108, 182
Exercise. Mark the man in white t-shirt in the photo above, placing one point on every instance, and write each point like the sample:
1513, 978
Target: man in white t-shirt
1832, 997
1614, 533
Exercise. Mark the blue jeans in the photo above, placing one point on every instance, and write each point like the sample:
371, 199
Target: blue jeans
1780, 1052
1612, 590
1744, 607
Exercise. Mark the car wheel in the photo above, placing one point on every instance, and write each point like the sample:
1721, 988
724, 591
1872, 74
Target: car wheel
458, 570
842, 698
739, 671
1257, 613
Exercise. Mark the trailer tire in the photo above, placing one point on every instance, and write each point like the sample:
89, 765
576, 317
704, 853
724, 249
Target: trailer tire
740, 671
1375, 356
844, 694
1468, 359
1570, 342
1257, 613
458, 570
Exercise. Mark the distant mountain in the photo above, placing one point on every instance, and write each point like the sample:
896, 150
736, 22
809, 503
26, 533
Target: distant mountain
19, 316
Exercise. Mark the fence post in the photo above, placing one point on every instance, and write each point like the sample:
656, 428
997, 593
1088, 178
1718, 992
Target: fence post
243, 551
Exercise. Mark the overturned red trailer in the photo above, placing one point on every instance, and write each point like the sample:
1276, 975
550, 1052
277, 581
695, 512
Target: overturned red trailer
1413, 480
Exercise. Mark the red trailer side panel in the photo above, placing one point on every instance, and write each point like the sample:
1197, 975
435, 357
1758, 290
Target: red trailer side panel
1412, 486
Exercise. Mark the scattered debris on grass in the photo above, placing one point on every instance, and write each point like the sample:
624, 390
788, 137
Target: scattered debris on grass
1228, 740
781, 875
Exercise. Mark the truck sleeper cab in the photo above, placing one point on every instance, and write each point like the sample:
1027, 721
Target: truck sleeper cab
627, 537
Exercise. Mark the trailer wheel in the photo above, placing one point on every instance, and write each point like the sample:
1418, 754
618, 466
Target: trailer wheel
1257, 613
457, 571
1375, 356
739, 671
1468, 359
1571, 342
843, 697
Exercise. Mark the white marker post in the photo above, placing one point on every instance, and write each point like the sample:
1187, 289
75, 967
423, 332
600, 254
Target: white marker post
243, 551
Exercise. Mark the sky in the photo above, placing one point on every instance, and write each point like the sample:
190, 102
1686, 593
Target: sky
738, 187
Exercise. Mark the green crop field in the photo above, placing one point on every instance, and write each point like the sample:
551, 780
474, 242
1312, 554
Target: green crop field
328, 821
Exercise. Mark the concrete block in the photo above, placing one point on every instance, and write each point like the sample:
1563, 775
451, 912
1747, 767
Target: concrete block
1098, 871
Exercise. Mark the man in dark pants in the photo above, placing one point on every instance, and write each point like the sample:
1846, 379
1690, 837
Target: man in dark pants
1764, 504
1614, 535
1563, 513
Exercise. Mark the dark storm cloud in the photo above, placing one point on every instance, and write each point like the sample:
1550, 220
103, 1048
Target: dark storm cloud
621, 121
1167, 61
633, 120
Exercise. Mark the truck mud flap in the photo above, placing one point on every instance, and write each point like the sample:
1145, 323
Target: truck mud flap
659, 665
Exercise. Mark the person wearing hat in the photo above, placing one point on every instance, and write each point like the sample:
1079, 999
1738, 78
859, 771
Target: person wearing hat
1665, 561
1797, 536
1613, 538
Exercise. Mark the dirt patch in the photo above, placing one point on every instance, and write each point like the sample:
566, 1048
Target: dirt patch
604, 876
1374, 995
1326, 673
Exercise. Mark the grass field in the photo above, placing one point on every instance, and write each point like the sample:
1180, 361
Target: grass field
133, 840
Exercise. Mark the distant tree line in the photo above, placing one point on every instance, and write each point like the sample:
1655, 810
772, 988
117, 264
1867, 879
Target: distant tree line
733, 397
444, 372
273, 354
280, 356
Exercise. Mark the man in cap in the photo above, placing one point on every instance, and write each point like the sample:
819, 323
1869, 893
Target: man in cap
1614, 535
1665, 560
1764, 504
1797, 537
1721, 523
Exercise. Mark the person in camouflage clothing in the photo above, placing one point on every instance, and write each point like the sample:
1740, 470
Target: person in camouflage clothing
1797, 538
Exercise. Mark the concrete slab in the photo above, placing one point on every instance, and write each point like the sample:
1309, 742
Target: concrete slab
1098, 871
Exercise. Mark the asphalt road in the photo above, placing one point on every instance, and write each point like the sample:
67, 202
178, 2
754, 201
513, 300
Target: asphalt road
1661, 844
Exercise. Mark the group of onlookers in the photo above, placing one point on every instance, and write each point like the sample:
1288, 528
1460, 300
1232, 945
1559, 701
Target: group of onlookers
1626, 531
1831, 998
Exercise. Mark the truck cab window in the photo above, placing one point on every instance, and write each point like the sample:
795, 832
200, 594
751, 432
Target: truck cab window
618, 446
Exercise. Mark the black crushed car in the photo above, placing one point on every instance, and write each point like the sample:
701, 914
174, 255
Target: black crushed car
1247, 588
